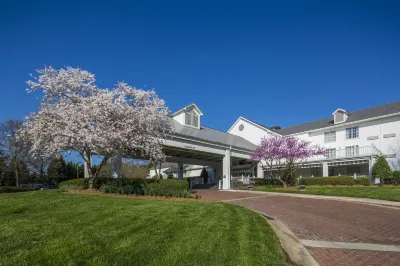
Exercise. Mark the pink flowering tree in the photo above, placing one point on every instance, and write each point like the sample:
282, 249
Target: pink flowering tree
274, 152
76, 115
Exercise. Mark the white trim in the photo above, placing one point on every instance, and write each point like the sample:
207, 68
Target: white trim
197, 109
213, 144
347, 124
254, 124
341, 110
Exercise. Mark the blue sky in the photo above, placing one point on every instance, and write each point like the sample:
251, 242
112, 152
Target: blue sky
275, 62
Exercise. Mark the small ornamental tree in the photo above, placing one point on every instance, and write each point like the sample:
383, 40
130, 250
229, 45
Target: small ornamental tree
76, 115
381, 169
276, 151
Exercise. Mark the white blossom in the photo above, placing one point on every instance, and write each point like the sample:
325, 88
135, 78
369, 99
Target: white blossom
77, 115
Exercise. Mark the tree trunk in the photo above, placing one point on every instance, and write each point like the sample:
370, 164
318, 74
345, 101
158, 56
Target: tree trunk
2, 177
90, 183
16, 176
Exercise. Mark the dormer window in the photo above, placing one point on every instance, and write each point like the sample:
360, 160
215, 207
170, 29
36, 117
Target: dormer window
188, 115
191, 118
340, 116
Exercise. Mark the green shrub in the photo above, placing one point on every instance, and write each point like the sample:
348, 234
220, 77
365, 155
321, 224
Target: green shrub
125, 186
327, 181
168, 188
396, 178
150, 187
77, 184
266, 182
381, 169
17, 189
363, 181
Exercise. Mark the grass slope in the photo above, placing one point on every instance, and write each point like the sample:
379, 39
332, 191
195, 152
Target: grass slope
51, 228
381, 193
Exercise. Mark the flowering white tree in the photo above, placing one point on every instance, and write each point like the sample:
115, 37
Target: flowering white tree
76, 115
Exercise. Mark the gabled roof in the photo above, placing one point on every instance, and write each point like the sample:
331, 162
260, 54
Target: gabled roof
381, 110
253, 122
211, 135
192, 105
340, 110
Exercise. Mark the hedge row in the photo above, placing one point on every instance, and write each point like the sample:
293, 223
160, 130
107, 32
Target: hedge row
393, 180
17, 189
150, 187
137, 186
266, 182
329, 180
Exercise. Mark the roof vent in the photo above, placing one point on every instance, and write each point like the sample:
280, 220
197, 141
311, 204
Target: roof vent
276, 127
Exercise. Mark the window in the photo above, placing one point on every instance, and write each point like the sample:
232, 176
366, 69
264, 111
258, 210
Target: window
352, 150
330, 136
191, 119
331, 153
351, 132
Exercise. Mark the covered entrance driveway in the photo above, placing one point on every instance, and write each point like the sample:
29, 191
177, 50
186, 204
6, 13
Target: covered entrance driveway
201, 146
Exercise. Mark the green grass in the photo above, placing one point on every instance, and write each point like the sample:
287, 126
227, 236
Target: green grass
382, 193
52, 228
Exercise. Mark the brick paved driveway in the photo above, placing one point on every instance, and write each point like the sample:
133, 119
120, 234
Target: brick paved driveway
328, 220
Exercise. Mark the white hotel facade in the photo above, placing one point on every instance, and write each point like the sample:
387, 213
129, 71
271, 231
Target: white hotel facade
353, 140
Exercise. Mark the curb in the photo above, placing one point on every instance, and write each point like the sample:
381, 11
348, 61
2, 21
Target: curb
292, 246
375, 202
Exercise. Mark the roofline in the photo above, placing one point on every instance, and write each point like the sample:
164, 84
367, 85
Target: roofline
254, 124
349, 123
183, 108
215, 144
340, 109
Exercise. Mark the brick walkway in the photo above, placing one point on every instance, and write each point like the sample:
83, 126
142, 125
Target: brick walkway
328, 220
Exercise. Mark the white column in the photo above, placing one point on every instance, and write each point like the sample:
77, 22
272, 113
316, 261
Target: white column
180, 171
325, 171
218, 173
226, 170
86, 169
371, 163
116, 166
260, 171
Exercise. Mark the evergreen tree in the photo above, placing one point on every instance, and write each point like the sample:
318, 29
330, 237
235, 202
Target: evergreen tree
17, 173
74, 170
204, 175
381, 169
56, 170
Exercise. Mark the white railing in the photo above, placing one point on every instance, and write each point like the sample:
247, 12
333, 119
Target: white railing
353, 151
243, 179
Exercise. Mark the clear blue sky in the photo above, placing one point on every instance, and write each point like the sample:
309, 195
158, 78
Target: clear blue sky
275, 62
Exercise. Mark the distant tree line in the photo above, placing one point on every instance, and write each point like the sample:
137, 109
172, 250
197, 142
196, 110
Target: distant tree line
19, 166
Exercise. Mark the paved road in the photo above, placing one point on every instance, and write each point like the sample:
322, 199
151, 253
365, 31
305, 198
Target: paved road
338, 222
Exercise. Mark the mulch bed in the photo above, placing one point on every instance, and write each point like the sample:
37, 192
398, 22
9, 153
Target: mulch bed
100, 193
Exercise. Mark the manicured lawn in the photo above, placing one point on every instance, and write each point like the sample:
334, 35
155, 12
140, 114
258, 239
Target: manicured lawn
52, 228
375, 192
